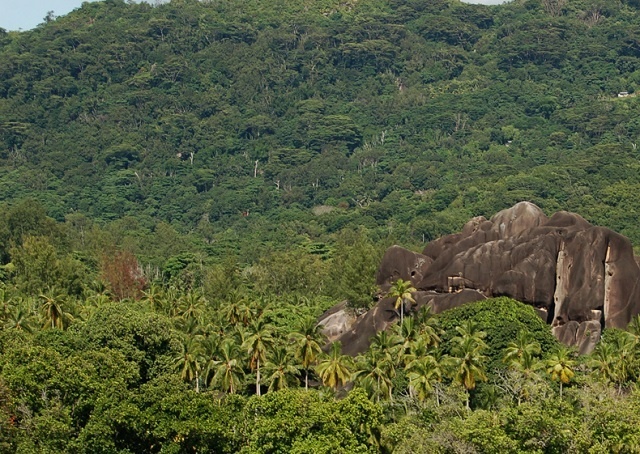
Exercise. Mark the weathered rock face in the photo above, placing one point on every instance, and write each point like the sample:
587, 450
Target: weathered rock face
580, 278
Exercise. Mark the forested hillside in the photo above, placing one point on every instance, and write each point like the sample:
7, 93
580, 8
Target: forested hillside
186, 187
406, 117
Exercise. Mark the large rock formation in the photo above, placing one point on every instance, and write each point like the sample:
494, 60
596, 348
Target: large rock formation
580, 278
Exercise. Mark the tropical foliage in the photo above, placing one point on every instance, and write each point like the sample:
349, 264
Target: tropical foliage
187, 186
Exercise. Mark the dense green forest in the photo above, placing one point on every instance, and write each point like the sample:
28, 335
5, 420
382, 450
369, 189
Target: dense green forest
186, 187
407, 117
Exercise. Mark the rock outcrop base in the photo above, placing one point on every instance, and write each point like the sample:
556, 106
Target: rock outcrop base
580, 278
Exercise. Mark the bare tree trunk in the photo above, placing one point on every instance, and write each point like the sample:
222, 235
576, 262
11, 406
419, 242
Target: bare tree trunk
258, 378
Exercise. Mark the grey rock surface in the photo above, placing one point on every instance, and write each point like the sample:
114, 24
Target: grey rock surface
580, 278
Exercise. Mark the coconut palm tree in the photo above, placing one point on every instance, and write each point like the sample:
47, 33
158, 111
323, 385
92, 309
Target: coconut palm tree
307, 340
470, 329
428, 327
279, 369
387, 344
192, 305
615, 358
522, 354
334, 369
171, 303
229, 374
560, 366
401, 291
258, 342
53, 310
625, 347
634, 326
603, 361
189, 359
20, 317
154, 297
422, 373
408, 331
237, 310
210, 354
375, 372
467, 361
6, 302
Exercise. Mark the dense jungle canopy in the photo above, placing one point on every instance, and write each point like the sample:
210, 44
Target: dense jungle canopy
406, 117
186, 186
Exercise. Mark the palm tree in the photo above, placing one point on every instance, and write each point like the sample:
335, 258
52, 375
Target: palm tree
260, 339
634, 326
386, 344
470, 329
154, 297
615, 359
374, 372
467, 361
408, 331
228, 370
422, 373
5, 302
20, 317
237, 310
522, 353
335, 368
171, 303
603, 362
210, 345
401, 291
192, 305
279, 369
188, 360
560, 366
428, 327
307, 339
625, 351
188, 326
53, 311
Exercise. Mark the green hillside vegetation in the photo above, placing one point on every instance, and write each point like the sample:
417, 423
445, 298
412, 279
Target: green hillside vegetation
405, 117
186, 187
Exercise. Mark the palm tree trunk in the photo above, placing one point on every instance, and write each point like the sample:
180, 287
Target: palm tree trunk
258, 377
197, 383
306, 379
561, 389
401, 313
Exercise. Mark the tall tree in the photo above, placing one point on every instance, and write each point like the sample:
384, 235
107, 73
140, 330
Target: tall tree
401, 291
375, 372
259, 341
560, 366
467, 358
20, 317
280, 370
522, 353
422, 373
229, 374
307, 339
53, 310
428, 327
334, 369
188, 361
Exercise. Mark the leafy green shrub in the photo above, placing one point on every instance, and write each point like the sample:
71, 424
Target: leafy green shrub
502, 319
